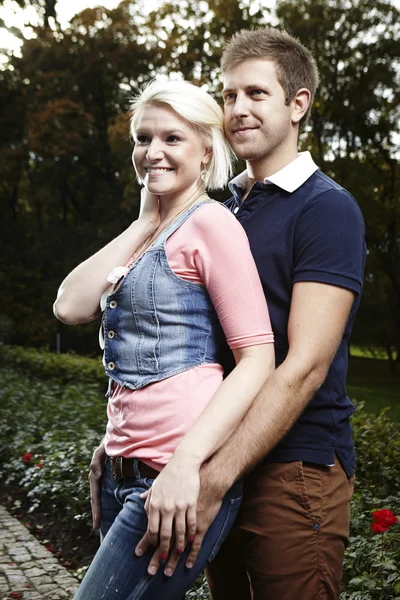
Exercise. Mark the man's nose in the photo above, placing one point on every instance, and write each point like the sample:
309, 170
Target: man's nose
241, 106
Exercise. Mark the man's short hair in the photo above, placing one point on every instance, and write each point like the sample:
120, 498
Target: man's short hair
295, 65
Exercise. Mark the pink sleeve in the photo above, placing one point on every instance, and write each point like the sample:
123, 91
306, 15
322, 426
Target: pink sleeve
212, 248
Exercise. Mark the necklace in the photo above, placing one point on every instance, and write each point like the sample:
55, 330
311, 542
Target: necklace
163, 226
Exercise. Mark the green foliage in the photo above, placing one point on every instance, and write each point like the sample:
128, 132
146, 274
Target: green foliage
66, 368
372, 563
59, 419
53, 407
66, 180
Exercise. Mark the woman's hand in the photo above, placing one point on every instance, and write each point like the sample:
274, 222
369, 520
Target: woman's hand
149, 208
171, 507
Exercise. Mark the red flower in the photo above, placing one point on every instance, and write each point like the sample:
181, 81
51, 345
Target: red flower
383, 519
27, 457
40, 465
15, 595
376, 528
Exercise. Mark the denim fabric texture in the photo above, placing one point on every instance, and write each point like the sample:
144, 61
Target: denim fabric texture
117, 573
156, 324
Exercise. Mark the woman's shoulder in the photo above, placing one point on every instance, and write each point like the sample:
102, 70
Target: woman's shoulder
213, 215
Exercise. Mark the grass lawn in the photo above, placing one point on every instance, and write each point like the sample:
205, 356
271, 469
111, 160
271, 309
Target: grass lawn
370, 381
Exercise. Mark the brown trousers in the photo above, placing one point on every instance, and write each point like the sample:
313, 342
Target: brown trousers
290, 536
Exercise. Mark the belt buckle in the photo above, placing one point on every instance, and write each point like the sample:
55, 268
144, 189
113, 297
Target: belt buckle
116, 467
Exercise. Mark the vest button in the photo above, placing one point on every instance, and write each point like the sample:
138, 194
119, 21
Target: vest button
111, 366
113, 304
111, 334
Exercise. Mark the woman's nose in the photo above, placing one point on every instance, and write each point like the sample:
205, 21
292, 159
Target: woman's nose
154, 151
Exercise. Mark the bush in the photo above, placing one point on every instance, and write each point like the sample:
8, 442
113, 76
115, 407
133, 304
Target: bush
372, 562
53, 412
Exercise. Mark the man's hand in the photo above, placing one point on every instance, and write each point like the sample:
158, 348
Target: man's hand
208, 505
95, 476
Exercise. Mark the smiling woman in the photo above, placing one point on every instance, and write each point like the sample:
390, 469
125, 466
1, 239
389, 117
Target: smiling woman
185, 284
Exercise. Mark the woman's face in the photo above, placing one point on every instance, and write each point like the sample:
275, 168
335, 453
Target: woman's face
168, 155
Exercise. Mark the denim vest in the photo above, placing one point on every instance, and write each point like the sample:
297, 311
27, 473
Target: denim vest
157, 324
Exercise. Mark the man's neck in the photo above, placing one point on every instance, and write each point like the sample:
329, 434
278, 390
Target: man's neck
259, 170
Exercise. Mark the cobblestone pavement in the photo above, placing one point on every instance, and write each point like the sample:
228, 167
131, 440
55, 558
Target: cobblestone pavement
27, 569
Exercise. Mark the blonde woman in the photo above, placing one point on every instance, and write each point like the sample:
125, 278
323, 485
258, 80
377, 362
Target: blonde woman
185, 284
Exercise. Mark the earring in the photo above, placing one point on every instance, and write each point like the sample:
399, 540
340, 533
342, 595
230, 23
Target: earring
203, 173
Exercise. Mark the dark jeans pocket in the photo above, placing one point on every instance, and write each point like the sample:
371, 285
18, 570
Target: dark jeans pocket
227, 515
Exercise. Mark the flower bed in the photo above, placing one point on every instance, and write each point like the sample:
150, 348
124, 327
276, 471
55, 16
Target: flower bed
53, 414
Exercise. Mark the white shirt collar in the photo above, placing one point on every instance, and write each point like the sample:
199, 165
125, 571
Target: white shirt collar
290, 178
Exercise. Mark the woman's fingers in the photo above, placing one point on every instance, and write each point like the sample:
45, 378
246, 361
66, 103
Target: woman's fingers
153, 526
167, 522
191, 522
180, 531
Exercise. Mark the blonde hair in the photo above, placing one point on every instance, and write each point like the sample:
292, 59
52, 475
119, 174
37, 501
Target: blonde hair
201, 112
295, 65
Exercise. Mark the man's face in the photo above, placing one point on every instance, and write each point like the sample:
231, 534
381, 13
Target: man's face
257, 122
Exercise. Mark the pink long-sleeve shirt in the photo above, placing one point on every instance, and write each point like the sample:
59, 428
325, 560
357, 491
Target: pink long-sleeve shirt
211, 249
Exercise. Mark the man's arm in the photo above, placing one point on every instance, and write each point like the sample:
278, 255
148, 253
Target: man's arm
318, 316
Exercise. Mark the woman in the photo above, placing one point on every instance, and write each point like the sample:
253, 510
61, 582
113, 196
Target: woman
181, 271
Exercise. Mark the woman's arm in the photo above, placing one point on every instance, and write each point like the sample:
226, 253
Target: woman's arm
217, 249
172, 500
78, 298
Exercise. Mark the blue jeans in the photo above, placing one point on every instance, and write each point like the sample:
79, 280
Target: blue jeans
116, 573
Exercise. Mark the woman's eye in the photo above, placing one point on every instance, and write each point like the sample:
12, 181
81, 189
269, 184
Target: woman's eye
173, 138
140, 139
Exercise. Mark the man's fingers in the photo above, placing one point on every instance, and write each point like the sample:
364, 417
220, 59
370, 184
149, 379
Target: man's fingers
95, 499
173, 560
155, 562
97, 462
195, 549
143, 545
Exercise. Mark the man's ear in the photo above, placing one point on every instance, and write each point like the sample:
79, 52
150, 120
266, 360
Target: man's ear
300, 104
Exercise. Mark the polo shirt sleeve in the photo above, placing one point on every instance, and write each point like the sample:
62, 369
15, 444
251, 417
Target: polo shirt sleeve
329, 245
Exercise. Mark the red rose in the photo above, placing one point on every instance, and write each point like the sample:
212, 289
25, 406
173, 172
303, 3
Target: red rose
27, 457
40, 465
376, 528
384, 518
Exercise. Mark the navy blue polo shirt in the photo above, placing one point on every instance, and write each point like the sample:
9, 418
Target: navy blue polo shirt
314, 233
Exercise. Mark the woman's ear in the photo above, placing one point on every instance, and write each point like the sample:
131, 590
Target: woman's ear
207, 155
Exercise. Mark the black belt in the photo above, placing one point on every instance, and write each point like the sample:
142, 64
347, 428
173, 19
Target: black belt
122, 467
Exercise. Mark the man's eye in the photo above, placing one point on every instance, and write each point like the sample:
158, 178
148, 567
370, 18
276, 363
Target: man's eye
257, 92
229, 97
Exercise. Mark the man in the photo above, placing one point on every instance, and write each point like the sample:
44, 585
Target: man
307, 237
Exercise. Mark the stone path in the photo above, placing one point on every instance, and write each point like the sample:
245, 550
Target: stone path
27, 569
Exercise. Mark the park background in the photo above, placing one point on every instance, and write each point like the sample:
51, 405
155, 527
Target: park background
67, 187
